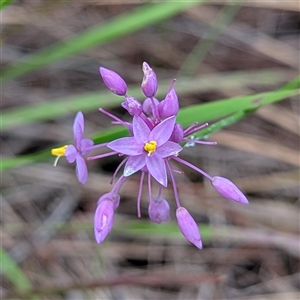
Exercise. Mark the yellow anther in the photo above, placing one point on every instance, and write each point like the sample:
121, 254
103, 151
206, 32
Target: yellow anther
150, 147
61, 151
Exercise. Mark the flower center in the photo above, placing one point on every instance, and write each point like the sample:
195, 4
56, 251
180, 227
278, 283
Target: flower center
61, 151
150, 147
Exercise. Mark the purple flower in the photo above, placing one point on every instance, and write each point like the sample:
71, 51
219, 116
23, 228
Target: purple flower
159, 210
113, 81
114, 198
76, 153
103, 220
188, 227
149, 83
228, 190
148, 148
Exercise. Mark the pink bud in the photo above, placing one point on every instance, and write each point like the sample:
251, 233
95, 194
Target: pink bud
148, 106
114, 198
177, 134
113, 81
169, 106
132, 105
103, 220
228, 190
149, 83
188, 227
159, 210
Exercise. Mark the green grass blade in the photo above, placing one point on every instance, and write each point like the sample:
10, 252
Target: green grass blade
11, 271
70, 105
4, 3
241, 106
117, 27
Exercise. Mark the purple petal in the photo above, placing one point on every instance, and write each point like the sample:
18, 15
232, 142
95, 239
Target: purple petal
71, 153
81, 170
134, 164
168, 149
127, 146
157, 168
159, 210
149, 84
78, 129
140, 130
86, 143
162, 132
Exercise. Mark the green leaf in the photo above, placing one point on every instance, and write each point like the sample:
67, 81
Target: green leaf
90, 101
98, 35
4, 3
11, 271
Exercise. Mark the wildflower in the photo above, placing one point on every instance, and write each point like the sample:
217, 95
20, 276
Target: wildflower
103, 220
75, 153
154, 142
188, 227
148, 148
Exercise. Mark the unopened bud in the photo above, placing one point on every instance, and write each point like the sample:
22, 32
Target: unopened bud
149, 83
159, 210
228, 190
103, 220
113, 81
169, 106
177, 134
132, 105
188, 227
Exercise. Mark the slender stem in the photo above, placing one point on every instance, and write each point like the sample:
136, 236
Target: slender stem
119, 121
102, 155
94, 147
200, 142
173, 183
149, 188
192, 167
194, 129
117, 169
138, 204
118, 184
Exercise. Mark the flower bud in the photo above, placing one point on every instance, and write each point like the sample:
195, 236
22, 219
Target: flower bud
114, 198
228, 190
148, 105
188, 227
103, 220
159, 210
149, 83
169, 106
132, 105
113, 81
177, 134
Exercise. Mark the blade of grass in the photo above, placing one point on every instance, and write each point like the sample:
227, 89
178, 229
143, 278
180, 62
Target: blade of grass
117, 27
11, 271
60, 107
4, 3
200, 113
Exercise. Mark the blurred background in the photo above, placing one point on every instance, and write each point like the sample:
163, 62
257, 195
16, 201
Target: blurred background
224, 49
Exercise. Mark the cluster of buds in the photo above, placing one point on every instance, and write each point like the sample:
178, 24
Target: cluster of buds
154, 141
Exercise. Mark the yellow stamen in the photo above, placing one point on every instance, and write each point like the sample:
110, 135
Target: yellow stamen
61, 151
150, 147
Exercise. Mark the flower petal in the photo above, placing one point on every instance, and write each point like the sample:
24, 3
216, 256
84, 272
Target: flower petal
81, 170
168, 149
140, 130
162, 132
134, 164
157, 168
127, 146
78, 129
71, 153
85, 143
